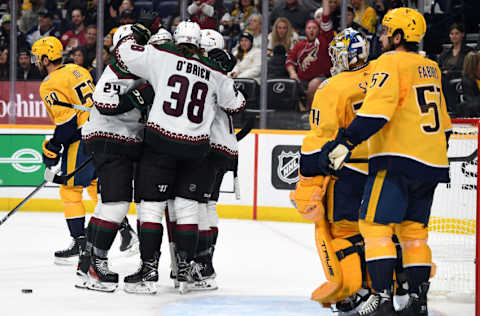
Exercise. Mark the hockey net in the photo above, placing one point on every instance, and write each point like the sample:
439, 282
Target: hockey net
453, 221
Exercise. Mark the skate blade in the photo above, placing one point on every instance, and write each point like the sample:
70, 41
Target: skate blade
176, 284
141, 288
183, 287
66, 261
82, 281
95, 285
204, 285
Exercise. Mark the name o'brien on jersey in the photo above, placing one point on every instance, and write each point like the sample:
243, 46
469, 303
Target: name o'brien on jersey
193, 69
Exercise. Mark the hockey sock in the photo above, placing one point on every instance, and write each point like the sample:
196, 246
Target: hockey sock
150, 240
90, 235
139, 232
381, 274
76, 226
105, 233
187, 239
417, 275
204, 242
214, 235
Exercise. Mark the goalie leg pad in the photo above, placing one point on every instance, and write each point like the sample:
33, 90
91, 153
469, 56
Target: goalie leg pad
151, 212
212, 213
378, 241
72, 201
341, 260
344, 229
186, 211
309, 197
413, 239
113, 212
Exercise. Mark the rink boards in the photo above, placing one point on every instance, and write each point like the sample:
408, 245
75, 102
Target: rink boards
268, 171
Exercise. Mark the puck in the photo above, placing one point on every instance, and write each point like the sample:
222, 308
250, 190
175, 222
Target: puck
27, 291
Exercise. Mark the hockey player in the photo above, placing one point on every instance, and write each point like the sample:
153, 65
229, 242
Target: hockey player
161, 37
223, 157
404, 116
187, 88
70, 84
337, 235
114, 134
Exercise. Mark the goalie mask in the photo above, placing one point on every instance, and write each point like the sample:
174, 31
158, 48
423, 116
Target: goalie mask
211, 39
187, 33
348, 51
122, 32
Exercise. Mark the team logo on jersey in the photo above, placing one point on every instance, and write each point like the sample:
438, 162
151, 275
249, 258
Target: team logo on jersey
285, 163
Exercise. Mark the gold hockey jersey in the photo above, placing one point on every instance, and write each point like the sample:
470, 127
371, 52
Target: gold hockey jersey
71, 84
335, 105
406, 90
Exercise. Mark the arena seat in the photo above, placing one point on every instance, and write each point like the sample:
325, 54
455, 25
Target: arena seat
282, 94
251, 90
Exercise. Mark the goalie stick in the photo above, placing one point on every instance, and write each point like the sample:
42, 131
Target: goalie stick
470, 157
60, 179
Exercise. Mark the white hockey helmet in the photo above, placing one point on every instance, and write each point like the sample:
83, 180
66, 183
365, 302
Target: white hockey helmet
211, 39
187, 32
122, 32
161, 37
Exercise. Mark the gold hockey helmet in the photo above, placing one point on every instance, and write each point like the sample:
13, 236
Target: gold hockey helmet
49, 46
410, 21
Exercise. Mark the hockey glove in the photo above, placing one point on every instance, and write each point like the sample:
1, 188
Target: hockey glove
142, 97
49, 175
51, 153
334, 153
224, 58
141, 33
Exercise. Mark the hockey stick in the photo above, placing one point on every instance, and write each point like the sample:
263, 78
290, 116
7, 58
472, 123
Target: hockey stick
72, 106
245, 130
450, 159
61, 179
171, 247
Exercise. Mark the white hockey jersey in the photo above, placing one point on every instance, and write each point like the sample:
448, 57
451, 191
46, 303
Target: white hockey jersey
223, 140
105, 131
188, 91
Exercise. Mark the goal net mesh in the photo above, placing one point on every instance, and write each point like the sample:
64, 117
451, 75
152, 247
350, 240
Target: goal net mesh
452, 225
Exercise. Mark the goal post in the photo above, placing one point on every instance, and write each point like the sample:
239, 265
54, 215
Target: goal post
453, 233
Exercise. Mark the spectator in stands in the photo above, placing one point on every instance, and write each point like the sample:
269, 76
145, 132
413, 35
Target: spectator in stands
76, 37
106, 60
44, 28
451, 64
282, 34
255, 28
470, 107
29, 18
451, 60
276, 63
294, 12
365, 15
308, 61
248, 59
126, 5
5, 33
127, 17
4, 66
90, 47
203, 12
242, 13
26, 70
79, 58
108, 40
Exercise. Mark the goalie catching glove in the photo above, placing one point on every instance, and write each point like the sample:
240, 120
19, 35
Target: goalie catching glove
223, 58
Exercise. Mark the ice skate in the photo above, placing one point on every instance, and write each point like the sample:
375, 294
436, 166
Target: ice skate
144, 281
379, 304
173, 276
203, 276
129, 245
82, 270
70, 255
100, 277
417, 304
350, 305
184, 275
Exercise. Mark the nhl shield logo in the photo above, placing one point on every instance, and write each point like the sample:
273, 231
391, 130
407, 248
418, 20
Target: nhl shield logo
287, 169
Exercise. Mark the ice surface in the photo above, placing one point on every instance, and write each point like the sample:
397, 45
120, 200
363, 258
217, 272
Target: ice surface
263, 268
